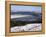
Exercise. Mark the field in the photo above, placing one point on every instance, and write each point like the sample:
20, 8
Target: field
28, 27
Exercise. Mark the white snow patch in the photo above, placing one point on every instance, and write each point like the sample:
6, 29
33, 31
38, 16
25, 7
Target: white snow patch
19, 16
28, 27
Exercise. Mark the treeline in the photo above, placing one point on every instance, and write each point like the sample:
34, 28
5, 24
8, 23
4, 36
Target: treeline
22, 23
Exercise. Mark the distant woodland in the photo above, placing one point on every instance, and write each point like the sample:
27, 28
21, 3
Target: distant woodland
21, 23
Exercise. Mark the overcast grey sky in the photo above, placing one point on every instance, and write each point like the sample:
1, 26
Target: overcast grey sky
15, 8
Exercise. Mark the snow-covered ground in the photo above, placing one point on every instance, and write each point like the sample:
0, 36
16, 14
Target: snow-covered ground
28, 27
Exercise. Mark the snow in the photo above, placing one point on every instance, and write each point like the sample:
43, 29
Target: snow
19, 16
28, 27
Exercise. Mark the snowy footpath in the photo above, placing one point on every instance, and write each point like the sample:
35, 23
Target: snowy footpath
28, 27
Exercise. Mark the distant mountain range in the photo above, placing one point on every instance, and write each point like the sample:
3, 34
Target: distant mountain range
35, 16
25, 13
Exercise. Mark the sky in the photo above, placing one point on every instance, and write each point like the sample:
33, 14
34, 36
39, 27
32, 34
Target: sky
15, 8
